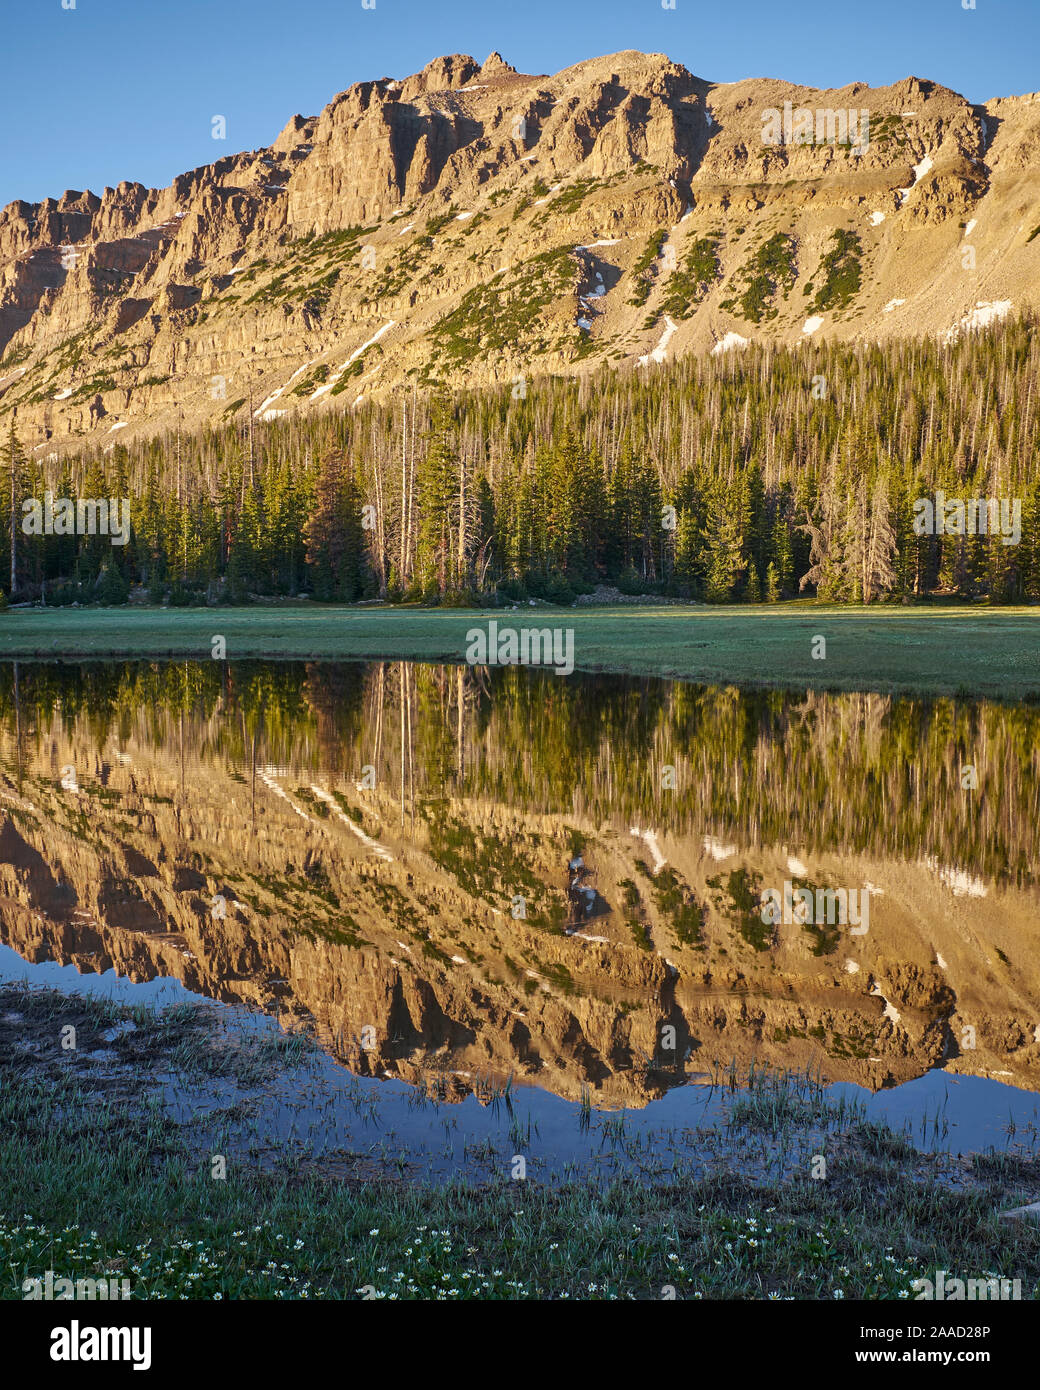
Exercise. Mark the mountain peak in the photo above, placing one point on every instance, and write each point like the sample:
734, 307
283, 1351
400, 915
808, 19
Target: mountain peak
470, 222
494, 64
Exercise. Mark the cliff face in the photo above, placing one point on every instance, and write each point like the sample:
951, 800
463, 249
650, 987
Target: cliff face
473, 224
391, 925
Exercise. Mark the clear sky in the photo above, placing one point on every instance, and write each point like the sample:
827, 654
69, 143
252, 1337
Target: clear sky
127, 89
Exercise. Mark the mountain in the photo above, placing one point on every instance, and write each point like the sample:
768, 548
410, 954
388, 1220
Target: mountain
471, 224
134, 801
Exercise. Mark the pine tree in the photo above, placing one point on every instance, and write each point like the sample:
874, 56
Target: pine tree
724, 548
783, 556
112, 587
772, 583
333, 533
879, 574
437, 484
13, 498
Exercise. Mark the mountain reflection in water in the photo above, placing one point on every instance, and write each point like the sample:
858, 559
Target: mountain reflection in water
382, 850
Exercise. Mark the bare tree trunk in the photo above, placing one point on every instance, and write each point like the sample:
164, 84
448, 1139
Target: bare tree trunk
411, 489
404, 490
461, 698
380, 529
13, 542
461, 565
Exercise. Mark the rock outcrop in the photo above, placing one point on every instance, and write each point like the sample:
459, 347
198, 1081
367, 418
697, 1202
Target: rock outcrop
308, 895
438, 211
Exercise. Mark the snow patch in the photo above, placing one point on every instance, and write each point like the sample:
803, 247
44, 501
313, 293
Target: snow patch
377, 849
851, 968
939, 961
920, 170
262, 412
795, 866
365, 346
352, 358
961, 883
717, 850
984, 313
119, 425
609, 241
64, 395
272, 785
971, 226
892, 304
876, 219
650, 839
729, 343
812, 324
659, 353
409, 228
891, 1012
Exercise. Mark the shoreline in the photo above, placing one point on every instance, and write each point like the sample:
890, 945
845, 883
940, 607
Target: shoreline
299, 1227
968, 652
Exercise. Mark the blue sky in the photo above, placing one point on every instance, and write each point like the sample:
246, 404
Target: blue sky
126, 89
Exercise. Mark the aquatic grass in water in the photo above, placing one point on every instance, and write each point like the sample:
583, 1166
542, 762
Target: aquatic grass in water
131, 1193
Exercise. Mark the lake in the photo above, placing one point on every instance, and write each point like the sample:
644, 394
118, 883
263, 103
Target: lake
566, 917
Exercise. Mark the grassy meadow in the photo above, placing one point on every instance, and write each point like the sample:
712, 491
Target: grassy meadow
96, 1180
967, 651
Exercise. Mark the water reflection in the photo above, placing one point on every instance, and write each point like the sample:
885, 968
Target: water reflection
386, 850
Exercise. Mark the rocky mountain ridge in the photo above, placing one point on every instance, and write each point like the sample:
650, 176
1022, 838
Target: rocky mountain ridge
323, 900
471, 225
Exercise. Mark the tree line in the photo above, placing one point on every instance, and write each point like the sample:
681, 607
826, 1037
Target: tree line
757, 475
884, 772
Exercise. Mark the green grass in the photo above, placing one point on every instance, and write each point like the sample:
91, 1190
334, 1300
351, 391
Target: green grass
960, 650
95, 1183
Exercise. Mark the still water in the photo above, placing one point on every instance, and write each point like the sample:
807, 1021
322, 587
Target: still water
516, 908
